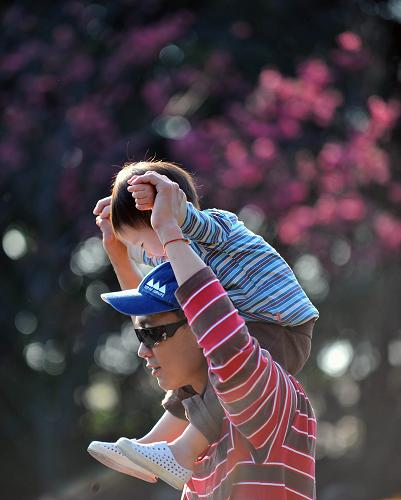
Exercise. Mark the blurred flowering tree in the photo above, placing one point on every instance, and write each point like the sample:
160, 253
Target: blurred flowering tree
291, 124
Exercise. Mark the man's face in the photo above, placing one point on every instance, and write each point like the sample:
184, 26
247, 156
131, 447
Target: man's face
176, 361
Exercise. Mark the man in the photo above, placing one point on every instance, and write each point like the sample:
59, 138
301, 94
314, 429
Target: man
267, 441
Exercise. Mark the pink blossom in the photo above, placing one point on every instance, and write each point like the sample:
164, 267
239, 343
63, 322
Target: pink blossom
262, 106
332, 182
264, 148
326, 209
236, 154
384, 115
241, 29
90, 120
305, 164
288, 88
289, 232
331, 156
229, 179
315, 71
349, 41
289, 128
18, 120
351, 208
79, 69
63, 36
270, 80
297, 108
156, 94
395, 192
350, 54
219, 61
293, 227
325, 105
388, 229
12, 155
258, 128
250, 175
142, 44
14, 62
288, 193
370, 163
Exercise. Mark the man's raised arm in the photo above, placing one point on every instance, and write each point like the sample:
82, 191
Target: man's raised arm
253, 390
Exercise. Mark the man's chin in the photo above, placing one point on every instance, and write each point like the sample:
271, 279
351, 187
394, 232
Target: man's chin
165, 385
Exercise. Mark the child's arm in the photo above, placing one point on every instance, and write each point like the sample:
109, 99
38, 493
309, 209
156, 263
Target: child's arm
167, 429
127, 273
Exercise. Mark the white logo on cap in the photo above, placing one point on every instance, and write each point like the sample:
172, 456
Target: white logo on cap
156, 288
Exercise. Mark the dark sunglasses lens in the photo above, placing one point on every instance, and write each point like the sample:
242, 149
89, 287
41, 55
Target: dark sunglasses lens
147, 336
151, 336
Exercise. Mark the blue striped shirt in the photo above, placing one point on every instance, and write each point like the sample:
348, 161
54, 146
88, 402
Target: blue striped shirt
260, 283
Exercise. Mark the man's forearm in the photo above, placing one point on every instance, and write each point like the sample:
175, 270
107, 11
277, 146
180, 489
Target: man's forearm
184, 261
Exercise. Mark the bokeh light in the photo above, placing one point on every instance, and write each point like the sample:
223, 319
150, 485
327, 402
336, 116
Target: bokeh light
15, 244
46, 357
172, 127
394, 352
101, 395
26, 322
312, 277
118, 353
89, 257
93, 292
335, 358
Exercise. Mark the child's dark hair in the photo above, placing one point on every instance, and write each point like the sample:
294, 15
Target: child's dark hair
123, 209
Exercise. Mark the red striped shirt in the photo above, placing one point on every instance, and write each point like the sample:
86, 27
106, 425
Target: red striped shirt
268, 437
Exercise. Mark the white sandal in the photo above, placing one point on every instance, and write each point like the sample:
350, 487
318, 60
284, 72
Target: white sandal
158, 459
110, 455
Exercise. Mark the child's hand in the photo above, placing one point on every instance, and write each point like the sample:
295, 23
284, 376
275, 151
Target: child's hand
111, 244
102, 207
170, 203
143, 193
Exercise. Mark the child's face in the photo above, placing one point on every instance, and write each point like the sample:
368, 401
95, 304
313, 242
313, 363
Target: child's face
144, 237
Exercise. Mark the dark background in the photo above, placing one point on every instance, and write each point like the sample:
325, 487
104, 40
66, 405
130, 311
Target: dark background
287, 113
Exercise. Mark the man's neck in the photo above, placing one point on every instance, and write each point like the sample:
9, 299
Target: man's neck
199, 382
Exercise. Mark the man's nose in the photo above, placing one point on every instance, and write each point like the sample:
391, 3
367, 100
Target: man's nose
144, 351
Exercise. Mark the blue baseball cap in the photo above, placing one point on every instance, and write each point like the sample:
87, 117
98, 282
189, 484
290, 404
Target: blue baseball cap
155, 294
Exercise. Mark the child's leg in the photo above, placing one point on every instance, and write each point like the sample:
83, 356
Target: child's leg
167, 428
187, 447
288, 346
205, 415
173, 462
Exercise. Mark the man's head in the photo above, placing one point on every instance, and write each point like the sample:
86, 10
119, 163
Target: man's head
177, 361
166, 340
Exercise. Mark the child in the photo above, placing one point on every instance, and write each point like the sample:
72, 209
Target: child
258, 280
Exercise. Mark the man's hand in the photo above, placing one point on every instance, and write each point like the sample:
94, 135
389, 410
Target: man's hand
143, 193
169, 207
169, 201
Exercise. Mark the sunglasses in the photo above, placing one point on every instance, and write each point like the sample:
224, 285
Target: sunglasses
152, 336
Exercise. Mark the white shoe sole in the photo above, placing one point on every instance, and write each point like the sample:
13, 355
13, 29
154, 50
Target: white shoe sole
114, 459
125, 446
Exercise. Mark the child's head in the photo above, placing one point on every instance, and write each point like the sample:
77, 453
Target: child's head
124, 214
